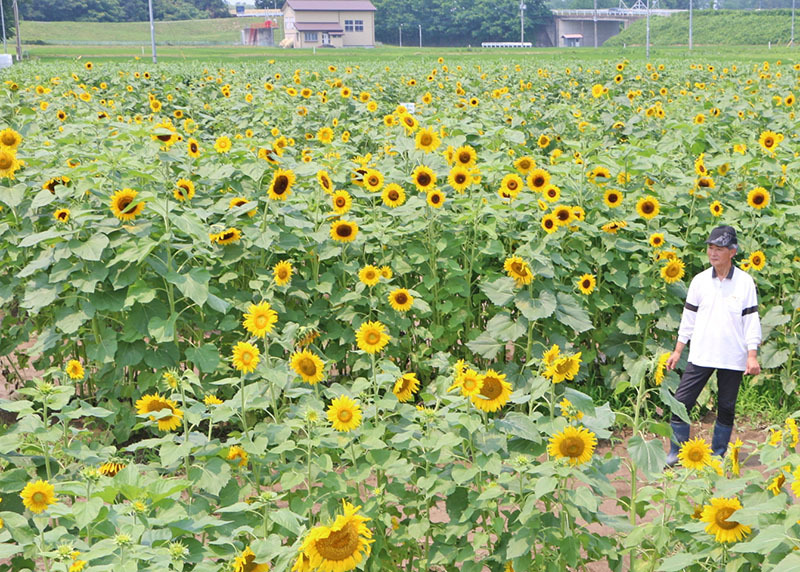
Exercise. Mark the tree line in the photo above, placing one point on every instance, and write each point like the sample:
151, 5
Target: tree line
117, 10
456, 22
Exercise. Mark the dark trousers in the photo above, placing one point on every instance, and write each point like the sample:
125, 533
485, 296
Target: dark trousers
693, 381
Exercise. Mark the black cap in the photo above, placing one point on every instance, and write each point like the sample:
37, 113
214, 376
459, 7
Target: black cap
723, 236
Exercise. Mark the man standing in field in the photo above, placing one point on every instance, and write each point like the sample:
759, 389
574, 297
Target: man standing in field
720, 318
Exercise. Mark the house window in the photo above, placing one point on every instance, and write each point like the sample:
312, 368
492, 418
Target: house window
311, 36
354, 25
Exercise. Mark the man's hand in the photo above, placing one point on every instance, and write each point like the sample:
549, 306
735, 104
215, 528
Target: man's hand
673, 360
752, 366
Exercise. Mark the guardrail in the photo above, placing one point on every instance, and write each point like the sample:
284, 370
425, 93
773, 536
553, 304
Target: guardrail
606, 12
506, 45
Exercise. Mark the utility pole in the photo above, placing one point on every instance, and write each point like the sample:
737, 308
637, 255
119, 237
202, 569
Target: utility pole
420, 35
152, 31
791, 42
16, 27
594, 17
647, 41
401, 35
3, 25
522, 21
690, 24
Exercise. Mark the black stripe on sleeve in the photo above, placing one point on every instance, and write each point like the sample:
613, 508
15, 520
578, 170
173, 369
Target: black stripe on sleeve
691, 307
749, 310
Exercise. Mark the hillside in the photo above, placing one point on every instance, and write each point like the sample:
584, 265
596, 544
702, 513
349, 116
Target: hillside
712, 27
213, 31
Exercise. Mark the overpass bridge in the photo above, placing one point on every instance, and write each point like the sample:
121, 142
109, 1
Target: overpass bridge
577, 28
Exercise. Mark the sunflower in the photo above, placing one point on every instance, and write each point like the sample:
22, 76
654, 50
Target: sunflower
427, 140
469, 381
660, 367
10, 139
282, 272
435, 198
237, 202
613, 226
122, 205
575, 444
371, 337
511, 185
74, 369
706, 183
405, 386
308, 366
563, 215
393, 195
695, 454
401, 300
769, 141
37, 496
260, 319
193, 147
494, 392
409, 122
373, 180
423, 178
578, 213
518, 269
342, 545
466, 156
302, 563
718, 515
227, 236
459, 178
564, 368
246, 562
672, 271
656, 240
184, 190
235, 452
538, 179
8, 164
344, 414
281, 185
325, 135
612, 198
223, 144
549, 223
111, 468
587, 283
757, 260
324, 180
543, 141
344, 231
211, 399
647, 207
551, 355
524, 164
341, 202
245, 357
155, 403
552, 193
716, 208
758, 198
775, 486
369, 275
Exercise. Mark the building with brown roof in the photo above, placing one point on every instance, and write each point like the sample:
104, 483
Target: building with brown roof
335, 23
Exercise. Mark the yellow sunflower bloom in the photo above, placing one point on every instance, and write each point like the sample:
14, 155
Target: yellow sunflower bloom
184, 190
401, 300
718, 516
282, 272
612, 198
236, 453
575, 444
564, 368
695, 453
660, 367
38, 496
74, 369
370, 275
122, 205
281, 185
154, 403
427, 140
518, 269
10, 139
223, 144
245, 357
260, 319
673, 270
716, 208
342, 545
344, 414
308, 366
373, 180
424, 178
405, 387
769, 141
758, 198
551, 355
341, 202
371, 337
460, 178
587, 283
324, 180
246, 562
757, 260
435, 198
111, 468
494, 393
524, 164
647, 207
538, 179
549, 223
193, 148
393, 195
466, 156
344, 231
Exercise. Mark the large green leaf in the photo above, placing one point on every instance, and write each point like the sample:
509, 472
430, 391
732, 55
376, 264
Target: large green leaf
503, 328
541, 307
92, 249
649, 456
569, 313
500, 291
206, 357
485, 346
193, 284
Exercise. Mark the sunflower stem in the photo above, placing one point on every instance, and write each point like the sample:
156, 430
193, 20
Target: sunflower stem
552, 401
374, 384
42, 549
244, 413
186, 461
45, 450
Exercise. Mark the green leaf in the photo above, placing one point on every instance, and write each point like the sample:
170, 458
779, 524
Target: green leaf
502, 327
675, 406
542, 307
569, 313
679, 562
767, 540
163, 330
104, 348
92, 249
500, 292
645, 305
206, 357
649, 456
37, 237
193, 284
86, 511
772, 357
519, 425
485, 346
13, 196
287, 519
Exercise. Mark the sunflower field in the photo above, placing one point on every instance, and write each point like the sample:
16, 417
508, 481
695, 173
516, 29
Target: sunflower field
396, 315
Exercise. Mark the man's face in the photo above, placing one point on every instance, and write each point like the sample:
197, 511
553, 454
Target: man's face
720, 254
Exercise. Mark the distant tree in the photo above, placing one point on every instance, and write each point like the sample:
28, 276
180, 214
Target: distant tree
8, 13
455, 22
269, 4
120, 10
